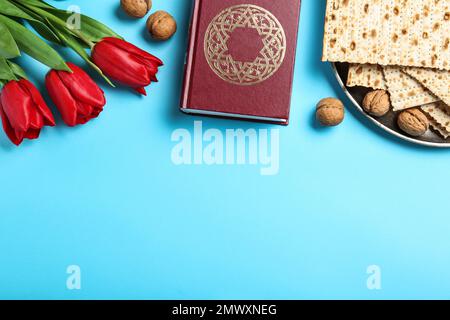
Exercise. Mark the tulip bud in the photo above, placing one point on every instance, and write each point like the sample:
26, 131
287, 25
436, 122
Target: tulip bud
126, 63
77, 97
23, 111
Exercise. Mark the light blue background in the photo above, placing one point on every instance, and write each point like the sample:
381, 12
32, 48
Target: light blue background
106, 197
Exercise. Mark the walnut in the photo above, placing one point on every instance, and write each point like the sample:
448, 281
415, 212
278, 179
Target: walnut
330, 112
377, 103
413, 121
161, 25
136, 8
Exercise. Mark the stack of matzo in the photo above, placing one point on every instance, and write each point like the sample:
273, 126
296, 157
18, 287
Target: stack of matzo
399, 45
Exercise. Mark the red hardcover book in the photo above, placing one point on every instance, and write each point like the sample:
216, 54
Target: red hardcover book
241, 58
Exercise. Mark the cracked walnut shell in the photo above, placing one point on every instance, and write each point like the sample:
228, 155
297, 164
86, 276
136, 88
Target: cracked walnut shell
413, 121
330, 112
136, 8
161, 25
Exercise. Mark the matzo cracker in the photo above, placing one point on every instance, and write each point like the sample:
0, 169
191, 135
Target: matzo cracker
366, 75
437, 81
388, 32
405, 91
437, 112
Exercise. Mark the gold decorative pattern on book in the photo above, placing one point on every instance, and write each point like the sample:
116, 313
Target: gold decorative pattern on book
269, 58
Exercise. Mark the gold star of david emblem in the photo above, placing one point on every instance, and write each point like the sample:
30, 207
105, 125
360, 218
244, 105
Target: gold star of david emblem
269, 58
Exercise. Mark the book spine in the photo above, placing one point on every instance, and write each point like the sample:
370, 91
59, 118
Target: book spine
292, 71
189, 61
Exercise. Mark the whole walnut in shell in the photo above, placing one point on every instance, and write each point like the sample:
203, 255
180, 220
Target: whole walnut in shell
377, 103
330, 112
161, 25
413, 121
136, 8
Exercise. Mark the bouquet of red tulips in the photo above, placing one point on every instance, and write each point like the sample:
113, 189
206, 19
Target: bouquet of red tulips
77, 97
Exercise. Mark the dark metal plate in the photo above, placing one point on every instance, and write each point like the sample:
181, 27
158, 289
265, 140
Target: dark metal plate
387, 122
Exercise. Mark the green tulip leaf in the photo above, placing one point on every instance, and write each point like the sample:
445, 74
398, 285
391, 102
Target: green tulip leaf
91, 28
36, 3
39, 24
8, 46
17, 70
5, 70
34, 46
45, 32
9, 9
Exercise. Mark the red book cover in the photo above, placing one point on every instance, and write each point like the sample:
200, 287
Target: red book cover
241, 57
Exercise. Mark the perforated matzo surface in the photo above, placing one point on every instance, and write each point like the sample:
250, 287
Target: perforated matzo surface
388, 32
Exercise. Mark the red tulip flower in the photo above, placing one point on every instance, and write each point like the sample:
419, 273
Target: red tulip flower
126, 63
77, 97
23, 111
